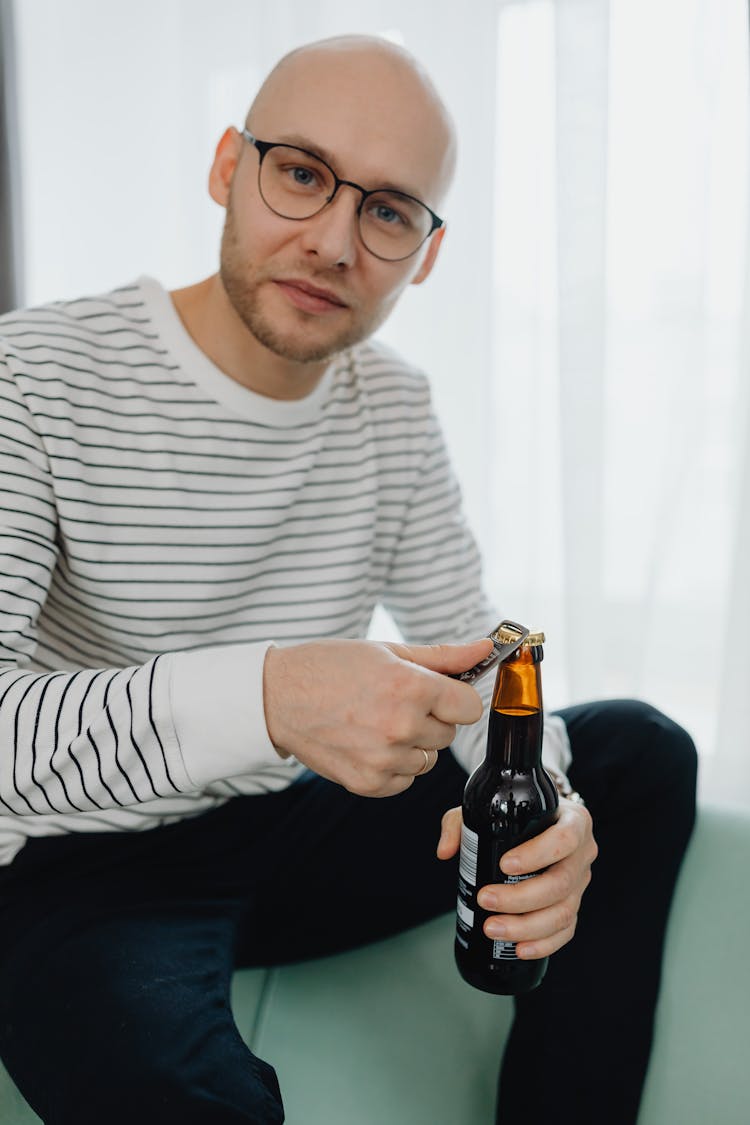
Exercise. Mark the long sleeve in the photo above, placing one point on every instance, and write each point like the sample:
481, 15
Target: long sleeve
104, 737
71, 741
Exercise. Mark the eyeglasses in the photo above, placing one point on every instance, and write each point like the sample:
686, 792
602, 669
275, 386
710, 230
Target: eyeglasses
296, 184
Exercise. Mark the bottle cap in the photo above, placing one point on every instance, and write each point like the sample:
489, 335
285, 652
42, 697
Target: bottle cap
508, 633
505, 635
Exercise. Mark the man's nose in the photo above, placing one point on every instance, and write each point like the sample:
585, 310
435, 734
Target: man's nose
333, 234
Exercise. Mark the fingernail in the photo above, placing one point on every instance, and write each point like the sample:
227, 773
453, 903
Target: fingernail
496, 929
487, 901
511, 866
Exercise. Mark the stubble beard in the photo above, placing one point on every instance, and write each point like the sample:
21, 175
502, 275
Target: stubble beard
244, 296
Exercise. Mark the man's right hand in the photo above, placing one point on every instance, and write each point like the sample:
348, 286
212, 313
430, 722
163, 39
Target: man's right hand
360, 713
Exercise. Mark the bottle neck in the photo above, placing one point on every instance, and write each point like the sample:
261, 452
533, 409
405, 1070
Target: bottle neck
514, 740
514, 736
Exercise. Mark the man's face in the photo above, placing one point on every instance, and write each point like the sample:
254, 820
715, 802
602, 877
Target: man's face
308, 288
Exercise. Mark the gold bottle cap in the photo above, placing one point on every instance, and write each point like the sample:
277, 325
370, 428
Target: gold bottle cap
506, 634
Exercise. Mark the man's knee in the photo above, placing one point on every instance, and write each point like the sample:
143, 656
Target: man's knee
643, 726
194, 1092
148, 1078
626, 745
206, 1076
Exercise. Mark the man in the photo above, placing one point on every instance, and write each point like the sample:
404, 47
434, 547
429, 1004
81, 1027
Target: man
205, 494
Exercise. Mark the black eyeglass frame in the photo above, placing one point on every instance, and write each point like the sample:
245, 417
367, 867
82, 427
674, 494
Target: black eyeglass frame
264, 147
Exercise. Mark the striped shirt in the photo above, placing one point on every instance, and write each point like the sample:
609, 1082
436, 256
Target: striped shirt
160, 525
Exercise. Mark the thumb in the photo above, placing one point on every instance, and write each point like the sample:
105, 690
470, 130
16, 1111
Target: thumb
445, 658
450, 834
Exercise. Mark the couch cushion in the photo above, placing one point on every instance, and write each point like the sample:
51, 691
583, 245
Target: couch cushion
385, 1033
700, 1070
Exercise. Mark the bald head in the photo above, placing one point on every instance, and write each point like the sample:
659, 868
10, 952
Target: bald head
383, 90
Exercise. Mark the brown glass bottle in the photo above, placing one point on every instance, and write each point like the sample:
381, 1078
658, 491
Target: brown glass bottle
508, 799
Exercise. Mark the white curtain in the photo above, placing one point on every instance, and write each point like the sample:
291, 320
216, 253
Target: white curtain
586, 330
622, 294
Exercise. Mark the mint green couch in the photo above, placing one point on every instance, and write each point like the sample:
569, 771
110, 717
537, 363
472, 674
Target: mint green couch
391, 1034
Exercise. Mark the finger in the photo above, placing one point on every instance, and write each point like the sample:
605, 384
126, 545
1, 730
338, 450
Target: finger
532, 950
556, 843
536, 926
450, 834
448, 700
416, 763
455, 702
427, 734
445, 658
553, 885
376, 785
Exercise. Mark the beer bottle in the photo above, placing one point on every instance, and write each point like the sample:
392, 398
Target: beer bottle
508, 799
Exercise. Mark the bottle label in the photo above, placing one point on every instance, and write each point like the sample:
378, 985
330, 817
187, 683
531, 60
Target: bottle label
466, 915
504, 951
467, 885
467, 864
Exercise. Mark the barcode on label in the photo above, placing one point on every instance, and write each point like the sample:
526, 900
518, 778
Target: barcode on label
467, 863
504, 951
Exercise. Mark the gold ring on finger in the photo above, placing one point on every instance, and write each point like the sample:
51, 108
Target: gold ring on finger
426, 765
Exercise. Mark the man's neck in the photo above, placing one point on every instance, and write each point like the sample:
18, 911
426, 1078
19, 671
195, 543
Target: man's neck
211, 321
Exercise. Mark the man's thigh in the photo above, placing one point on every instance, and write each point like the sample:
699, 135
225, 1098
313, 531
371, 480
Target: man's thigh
116, 950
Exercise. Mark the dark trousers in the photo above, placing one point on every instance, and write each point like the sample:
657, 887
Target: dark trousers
116, 951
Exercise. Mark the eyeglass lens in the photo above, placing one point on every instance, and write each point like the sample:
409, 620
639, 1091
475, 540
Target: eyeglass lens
296, 186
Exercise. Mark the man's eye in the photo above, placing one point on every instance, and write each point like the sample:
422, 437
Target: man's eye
303, 176
387, 215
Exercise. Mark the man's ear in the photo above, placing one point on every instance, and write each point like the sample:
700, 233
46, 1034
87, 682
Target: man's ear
225, 161
425, 269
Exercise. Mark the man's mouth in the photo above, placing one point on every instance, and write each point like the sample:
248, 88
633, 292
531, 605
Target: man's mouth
308, 297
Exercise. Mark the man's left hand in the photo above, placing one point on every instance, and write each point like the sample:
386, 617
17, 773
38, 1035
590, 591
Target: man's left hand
539, 914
